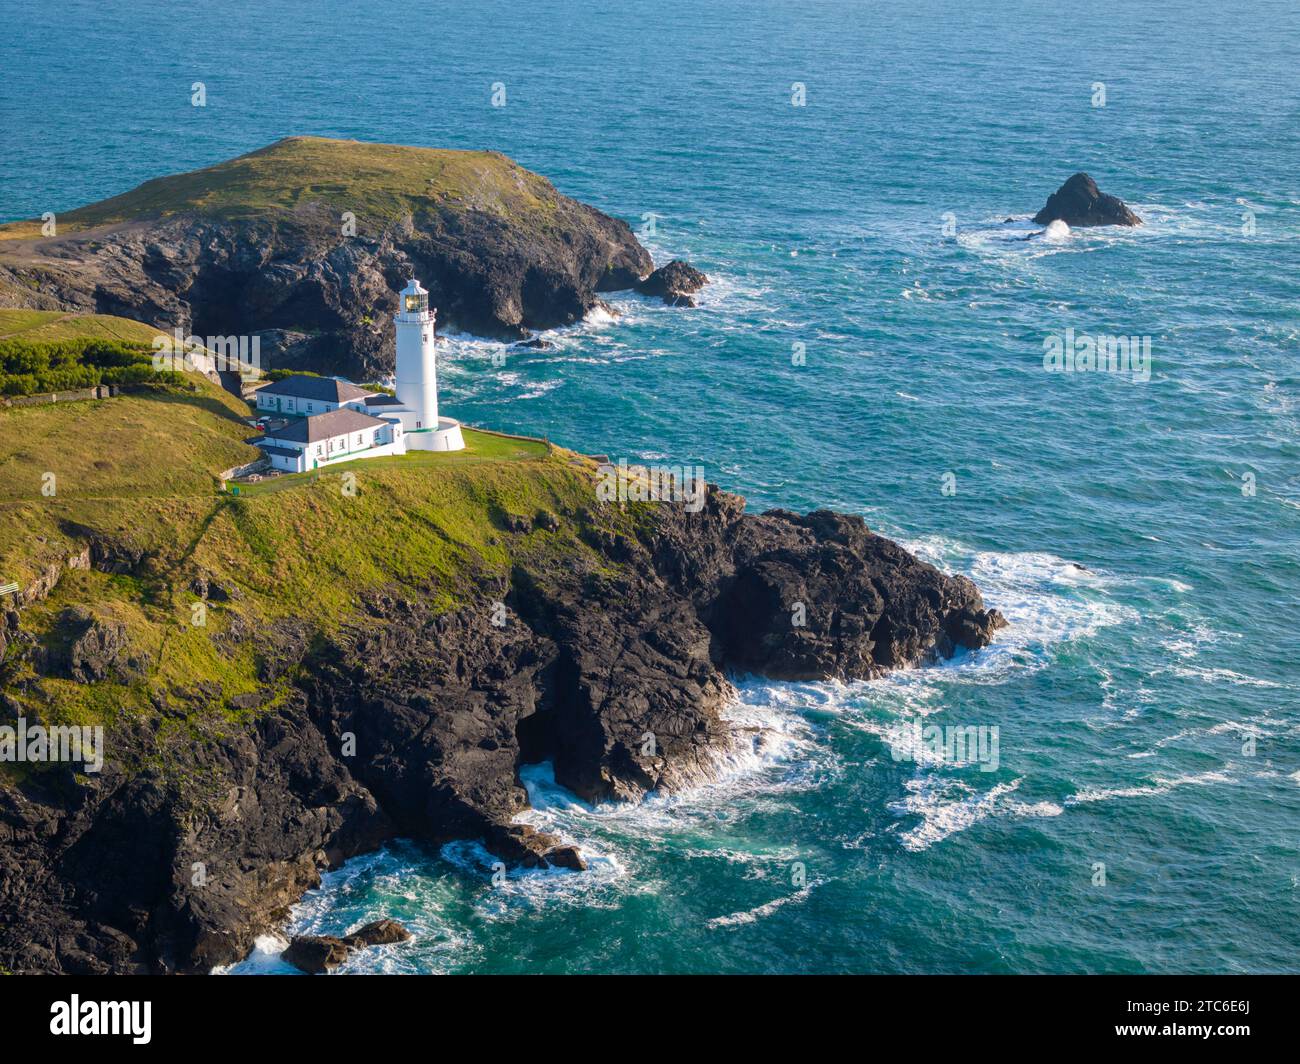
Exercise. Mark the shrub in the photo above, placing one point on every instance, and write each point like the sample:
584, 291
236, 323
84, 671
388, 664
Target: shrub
66, 365
279, 374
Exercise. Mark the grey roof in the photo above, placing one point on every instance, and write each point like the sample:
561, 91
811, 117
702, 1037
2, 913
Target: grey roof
324, 389
324, 426
383, 400
283, 452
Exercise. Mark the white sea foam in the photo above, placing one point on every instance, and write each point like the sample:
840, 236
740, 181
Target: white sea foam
947, 805
773, 753
1046, 599
752, 916
1018, 238
343, 902
1228, 676
1227, 727
1159, 785
600, 317
265, 959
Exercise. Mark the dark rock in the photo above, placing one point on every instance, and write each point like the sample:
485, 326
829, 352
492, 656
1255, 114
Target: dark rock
90, 648
8, 629
611, 665
536, 343
205, 587
319, 299
378, 933
547, 520
280, 646
1079, 203
676, 284
566, 857
110, 554
519, 844
517, 523
817, 596
316, 954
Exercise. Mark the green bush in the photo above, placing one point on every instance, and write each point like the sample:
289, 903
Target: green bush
108, 353
280, 374
140, 373
67, 365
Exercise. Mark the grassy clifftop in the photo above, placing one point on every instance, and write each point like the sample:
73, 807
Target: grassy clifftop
57, 326
237, 249
136, 475
372, 180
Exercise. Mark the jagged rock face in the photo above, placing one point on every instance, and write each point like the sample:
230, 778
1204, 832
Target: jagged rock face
124, 873
676, 284
323, 301
817, 596
1079, 203
408, 721
822, 596
92, 648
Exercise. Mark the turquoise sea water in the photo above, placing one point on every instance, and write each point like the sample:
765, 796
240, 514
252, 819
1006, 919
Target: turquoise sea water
1154, 603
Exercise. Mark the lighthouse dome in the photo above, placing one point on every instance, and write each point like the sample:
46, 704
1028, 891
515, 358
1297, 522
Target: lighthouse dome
414, 298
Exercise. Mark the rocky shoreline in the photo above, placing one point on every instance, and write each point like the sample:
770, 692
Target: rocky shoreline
413, 721
501, 251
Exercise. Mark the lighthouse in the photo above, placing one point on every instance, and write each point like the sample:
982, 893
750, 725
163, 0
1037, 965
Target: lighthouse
416, 404
417, 371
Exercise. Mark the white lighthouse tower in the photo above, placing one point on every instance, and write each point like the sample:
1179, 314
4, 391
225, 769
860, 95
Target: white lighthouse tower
417, 377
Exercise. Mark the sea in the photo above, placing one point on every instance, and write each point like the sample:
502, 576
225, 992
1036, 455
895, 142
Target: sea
858, 181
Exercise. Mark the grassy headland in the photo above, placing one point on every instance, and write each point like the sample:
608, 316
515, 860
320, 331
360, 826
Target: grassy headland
376, 181
139, 473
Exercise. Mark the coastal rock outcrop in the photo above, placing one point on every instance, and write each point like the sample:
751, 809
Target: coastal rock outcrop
91, 648
1079, 203
820, 596
305, 244
317, 954
413, 716
676, 284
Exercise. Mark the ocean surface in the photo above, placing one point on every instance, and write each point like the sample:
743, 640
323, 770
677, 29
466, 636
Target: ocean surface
1142, 536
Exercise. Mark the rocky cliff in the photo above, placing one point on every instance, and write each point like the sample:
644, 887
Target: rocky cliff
602, 644
305, 244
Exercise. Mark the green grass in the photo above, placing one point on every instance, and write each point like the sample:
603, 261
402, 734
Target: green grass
141, 470
55, 326
383, 182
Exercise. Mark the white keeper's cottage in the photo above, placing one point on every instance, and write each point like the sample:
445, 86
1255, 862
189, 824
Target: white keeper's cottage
335, 421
